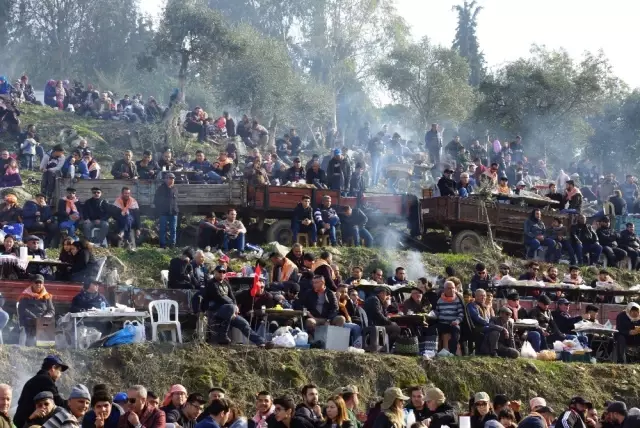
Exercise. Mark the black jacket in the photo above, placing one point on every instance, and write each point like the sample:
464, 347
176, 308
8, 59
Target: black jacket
583, 234
477, 282
629, 240
329, 309
478, 422
231, 127
357, 218
312, 176
217, 294
181, 274
445, 414
147, 172
624, 324
84, 301
607, 237
619, 205
295, 174
356, 184
300, 213
447, 186
545, 320
564, 321
42, 381
95, 209
123, 166
62, 210
376, 313
166, 200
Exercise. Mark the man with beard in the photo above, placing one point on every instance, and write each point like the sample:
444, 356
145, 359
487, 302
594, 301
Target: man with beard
309, 408
574, 416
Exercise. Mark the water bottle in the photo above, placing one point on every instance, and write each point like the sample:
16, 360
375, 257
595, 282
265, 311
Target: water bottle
263, 309
304, 312
103, 306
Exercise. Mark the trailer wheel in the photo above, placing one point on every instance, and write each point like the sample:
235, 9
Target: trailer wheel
280, 231
466, 242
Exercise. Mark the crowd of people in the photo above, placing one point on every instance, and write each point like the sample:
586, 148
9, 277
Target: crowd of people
41, 404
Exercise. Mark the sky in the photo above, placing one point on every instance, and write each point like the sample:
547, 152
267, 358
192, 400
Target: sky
508, 28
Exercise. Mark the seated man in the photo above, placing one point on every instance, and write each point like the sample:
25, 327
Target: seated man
628, 326
573, 277
283, 148
533, 269
558, 232
399, 278
95, 215
210, 232
125, 168
200, 164
128, 217
566, 322
499, 339
181, 271
316, 175
88, 298
303, 220
200, 270
480, 315
608, 239
296, 172
68, 214
450, 312
283, 269
33, 250
353, 227
481, 278
547, 330
37, 216
91, 166
234, 232
248, 305
415, 303
147, 168
327, 219
630, 243
51, 167
376, 309
296, 255
585, 241
222, 169
34, 303
591, 314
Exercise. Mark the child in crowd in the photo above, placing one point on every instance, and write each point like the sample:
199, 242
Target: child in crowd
28, 148
11, 177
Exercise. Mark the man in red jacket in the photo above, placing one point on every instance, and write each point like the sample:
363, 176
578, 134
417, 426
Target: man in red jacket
139, 414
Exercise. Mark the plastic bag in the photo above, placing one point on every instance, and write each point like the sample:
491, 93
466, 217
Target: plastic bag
302, 339
284, 341
527, 351
444, 353
126, 336
558, 346
139, 333
87, 335
409, 417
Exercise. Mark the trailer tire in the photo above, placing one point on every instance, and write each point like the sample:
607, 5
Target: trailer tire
466, 242
280, 231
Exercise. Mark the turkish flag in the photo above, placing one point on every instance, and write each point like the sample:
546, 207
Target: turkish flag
255, 289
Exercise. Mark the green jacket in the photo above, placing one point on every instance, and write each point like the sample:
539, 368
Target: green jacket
354, 419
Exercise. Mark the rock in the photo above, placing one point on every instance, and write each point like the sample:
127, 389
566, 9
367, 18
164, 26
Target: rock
20, 192
529, 366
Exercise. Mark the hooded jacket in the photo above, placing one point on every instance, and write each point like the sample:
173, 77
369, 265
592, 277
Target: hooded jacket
42, 381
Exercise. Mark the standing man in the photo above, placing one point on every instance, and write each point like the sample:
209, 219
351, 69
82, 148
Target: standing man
433, 143
96, 216
336, 171
45, 380
166, 203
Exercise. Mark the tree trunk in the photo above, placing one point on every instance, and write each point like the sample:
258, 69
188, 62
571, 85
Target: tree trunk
182, 76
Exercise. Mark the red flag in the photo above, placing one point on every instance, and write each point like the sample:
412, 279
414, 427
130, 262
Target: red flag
255, 289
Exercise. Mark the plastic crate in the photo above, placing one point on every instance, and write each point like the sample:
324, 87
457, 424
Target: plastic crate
568, 357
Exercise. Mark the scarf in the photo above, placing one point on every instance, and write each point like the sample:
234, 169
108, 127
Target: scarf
448, 299
225, 162
28, 293
323, 262
483, 311
174, 389
261, 420
285, 271
571, 193
514, 309
130, 204
70, 205
11, 199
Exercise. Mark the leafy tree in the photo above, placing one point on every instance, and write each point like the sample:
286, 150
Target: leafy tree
432, 79
547, 99
466, 40
191, 35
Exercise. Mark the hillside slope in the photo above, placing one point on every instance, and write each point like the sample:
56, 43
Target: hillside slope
243, 371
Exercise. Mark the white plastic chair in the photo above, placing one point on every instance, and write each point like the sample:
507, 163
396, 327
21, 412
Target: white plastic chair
164, 309
164, 275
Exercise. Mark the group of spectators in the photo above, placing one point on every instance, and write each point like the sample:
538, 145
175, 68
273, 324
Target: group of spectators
41, 404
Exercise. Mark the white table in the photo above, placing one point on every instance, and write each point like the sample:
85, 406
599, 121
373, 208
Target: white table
103, 316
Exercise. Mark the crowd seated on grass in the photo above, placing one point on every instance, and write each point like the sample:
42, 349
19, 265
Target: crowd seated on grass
41, 404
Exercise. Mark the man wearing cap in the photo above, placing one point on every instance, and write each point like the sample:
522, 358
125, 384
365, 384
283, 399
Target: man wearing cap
375, 307
88, 298
574, 416
186, 416
78, 404
95, 215
337, 173
446, 184
296, 172
499, 339
37, 216
566, 322
51, 167
222, 310
34, 250
68, 213
619, 415
44, 408
439, 410
44, 381
166, 204
547, 329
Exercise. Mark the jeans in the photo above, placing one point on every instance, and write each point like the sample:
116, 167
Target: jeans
333, 222
27, 162
70, 227
593, 250
236, 243
222, 319
125, 226
565, 245
614, 255
355, 334
311, 229
214, 177
173, 225
375, 169
357, 232
89, 225
536, 340
632, 253
534, 245
584, 340
454, 331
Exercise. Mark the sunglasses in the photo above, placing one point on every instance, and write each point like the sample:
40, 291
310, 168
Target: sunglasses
132, 400
482, 404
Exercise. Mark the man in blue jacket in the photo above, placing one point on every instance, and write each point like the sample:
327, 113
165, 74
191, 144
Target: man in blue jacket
217, 414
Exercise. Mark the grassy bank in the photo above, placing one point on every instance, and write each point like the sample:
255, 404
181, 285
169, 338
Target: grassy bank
243, 371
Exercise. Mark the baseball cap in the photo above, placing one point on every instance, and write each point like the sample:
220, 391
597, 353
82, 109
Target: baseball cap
53, 360
544, 299
505, 310
31, 238
537, 402
448, 171
120, 397
617, 407
390, 397
170, 175
481, 396
563, 301
43, 396
220, 268
337, 152
578, 399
